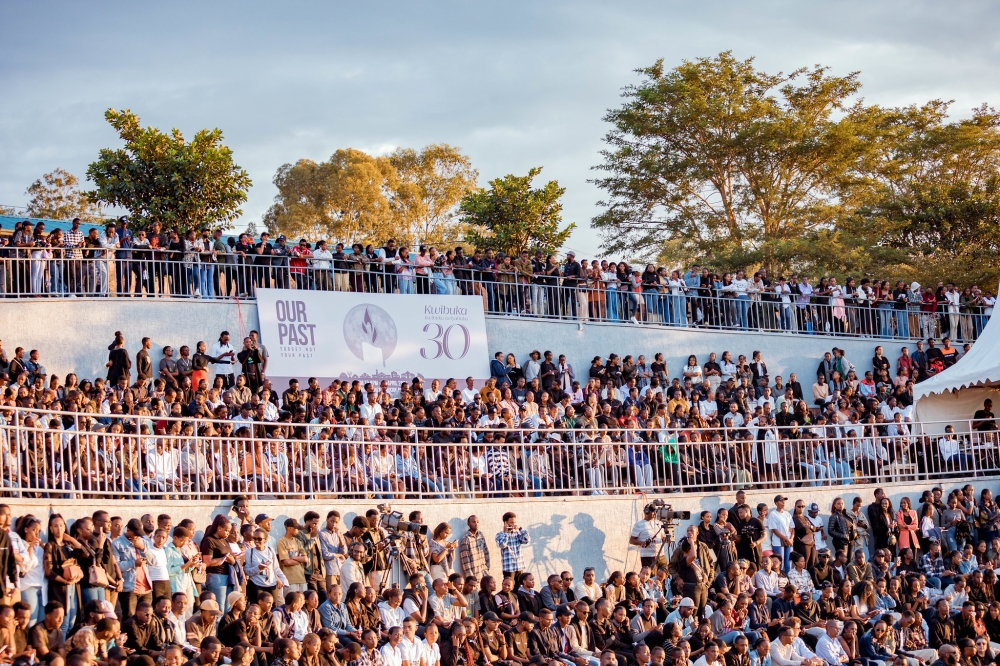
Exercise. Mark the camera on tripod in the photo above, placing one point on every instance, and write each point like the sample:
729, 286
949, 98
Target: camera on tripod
392, 522
668, 518
664, 512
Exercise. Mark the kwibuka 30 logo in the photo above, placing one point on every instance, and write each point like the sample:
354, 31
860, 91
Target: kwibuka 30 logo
370, 333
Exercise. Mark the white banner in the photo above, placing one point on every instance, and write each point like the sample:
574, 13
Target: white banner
372, 337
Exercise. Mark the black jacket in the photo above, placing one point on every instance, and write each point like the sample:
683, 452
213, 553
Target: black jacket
8, 567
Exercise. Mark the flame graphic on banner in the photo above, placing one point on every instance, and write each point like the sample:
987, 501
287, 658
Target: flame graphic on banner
368, 327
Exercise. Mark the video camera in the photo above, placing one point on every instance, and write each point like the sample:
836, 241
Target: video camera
392, 521
664, 512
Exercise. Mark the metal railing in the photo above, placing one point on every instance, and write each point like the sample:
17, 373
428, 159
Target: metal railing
504, 293
76, 455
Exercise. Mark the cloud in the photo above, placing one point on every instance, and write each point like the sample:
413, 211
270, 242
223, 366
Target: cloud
513, 84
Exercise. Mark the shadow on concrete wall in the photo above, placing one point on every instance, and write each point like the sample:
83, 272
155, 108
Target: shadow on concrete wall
586, 548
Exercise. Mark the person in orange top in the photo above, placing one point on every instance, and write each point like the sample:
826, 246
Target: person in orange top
906, 519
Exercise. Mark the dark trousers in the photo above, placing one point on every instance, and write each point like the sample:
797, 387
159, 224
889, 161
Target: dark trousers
808, 550
161, 588
253, 590
129, 600
699, 594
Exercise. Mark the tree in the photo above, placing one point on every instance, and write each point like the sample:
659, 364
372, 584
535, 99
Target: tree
717, 160
430, 185
57, 196
929, 196
510, 216
161, 177
346, 198
356, 197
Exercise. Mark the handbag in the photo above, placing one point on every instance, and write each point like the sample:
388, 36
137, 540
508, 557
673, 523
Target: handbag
97, 577
71, 570
198, 575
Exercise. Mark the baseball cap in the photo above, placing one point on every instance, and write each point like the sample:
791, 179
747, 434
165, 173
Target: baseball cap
211, 605
687, 602
491, 616
780, 497
813, 507
291, 522
233, 597
563, 611
526, 616
261, 517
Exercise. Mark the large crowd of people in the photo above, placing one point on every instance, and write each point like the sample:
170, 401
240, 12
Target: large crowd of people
535, 428
157, 261
770, 585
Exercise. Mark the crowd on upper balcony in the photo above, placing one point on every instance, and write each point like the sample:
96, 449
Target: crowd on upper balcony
201, 264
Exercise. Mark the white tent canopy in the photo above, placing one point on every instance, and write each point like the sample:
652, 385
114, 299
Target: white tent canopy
959, 391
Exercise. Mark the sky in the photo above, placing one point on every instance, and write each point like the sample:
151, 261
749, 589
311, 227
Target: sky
513, 84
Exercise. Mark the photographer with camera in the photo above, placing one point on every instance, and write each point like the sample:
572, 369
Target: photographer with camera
510, 541
646, 534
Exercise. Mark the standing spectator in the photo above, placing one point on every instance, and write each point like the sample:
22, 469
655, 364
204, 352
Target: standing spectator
144, 365
123, 257
779, 523
292, 556
226, 358
510, 540
73, 241
108, 243
119, 364
473, 553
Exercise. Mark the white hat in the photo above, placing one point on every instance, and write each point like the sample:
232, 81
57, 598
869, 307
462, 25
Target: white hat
687, 602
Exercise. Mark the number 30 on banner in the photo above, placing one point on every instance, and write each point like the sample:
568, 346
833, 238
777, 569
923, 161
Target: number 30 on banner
442, 338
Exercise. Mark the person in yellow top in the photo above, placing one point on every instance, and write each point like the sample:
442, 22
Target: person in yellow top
292, 557
678, 400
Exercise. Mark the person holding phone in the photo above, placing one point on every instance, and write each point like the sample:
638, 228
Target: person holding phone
259, 565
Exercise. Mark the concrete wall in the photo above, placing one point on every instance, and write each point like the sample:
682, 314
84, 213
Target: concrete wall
783, 353
73, 335
565, 532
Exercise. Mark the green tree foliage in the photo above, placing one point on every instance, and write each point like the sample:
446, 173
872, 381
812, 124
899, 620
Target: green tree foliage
57, 196
409, 195
719, 162
511, 216
161, 177
930, 195
716, 158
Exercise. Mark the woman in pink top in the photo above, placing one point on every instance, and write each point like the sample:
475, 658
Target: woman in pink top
422, 263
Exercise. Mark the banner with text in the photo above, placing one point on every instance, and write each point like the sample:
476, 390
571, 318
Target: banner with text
372, 337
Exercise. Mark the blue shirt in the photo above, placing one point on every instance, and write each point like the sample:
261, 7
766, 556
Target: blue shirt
510, 549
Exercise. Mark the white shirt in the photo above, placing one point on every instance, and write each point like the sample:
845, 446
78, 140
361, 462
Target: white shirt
32, 565
322, 259
469, 394
643, 530
391, 656
702, 662
948, 447
592, 592
761, 401
782, 522
391, 617
431, 653
368, 411
820, 539
217, 350
830, 650
157, 558
789, 655
412, 651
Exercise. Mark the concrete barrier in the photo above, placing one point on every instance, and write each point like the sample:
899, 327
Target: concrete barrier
73, 335
565, 532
